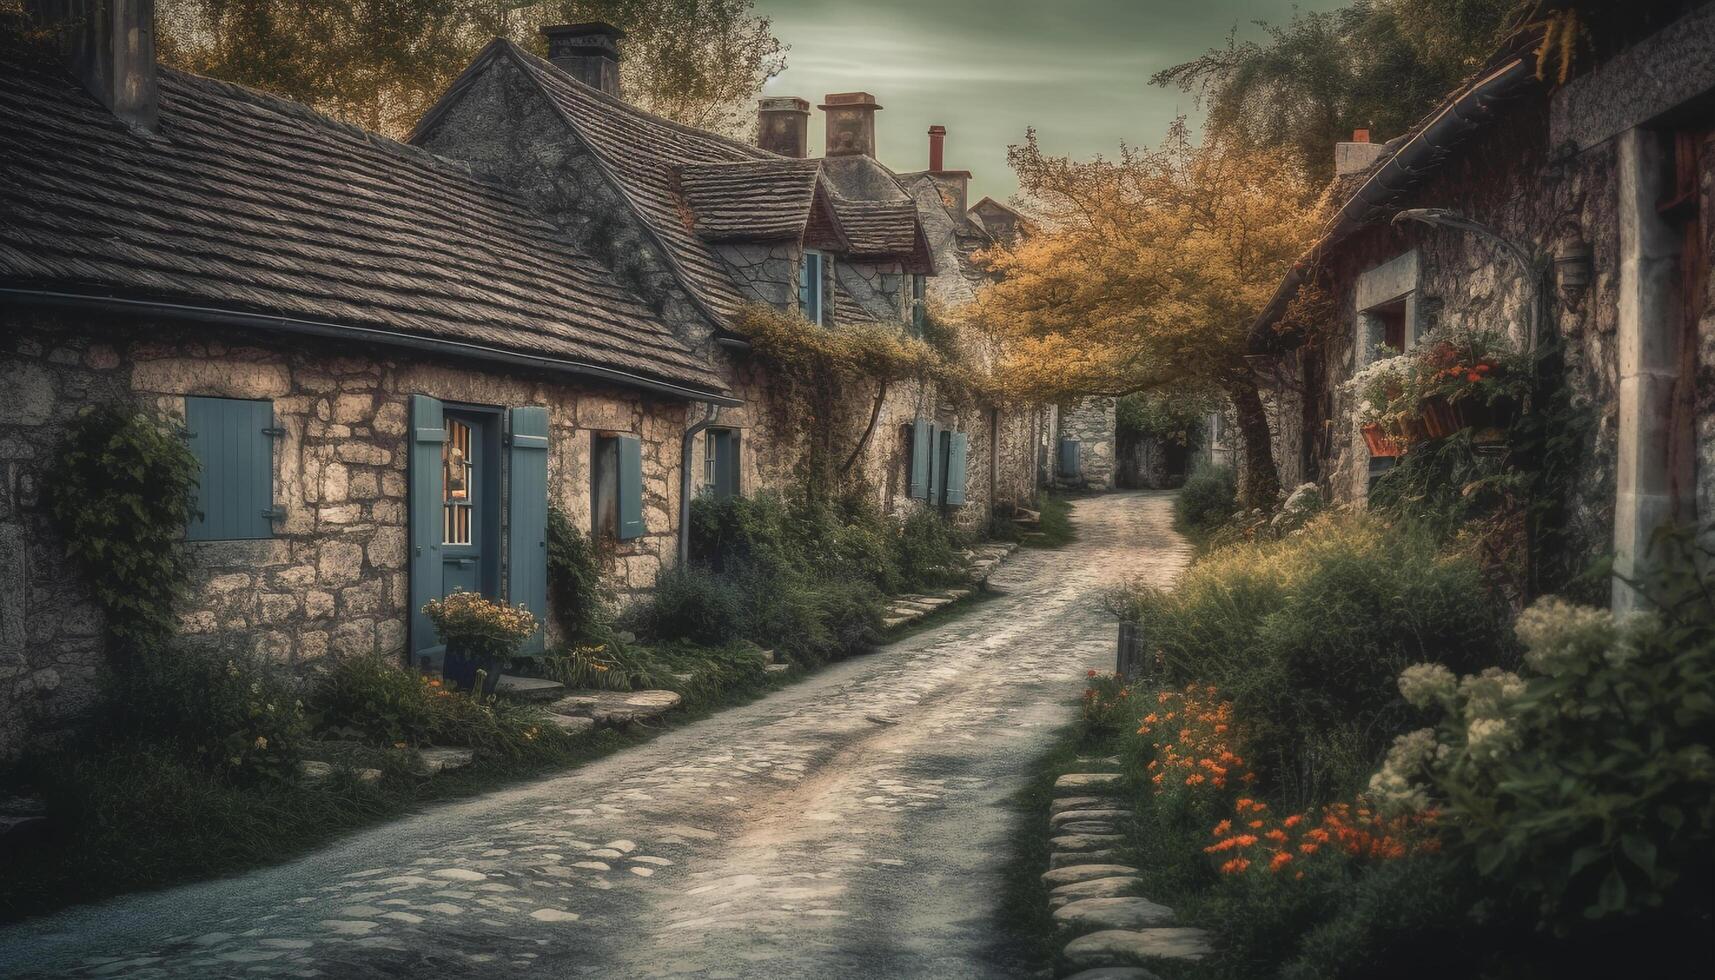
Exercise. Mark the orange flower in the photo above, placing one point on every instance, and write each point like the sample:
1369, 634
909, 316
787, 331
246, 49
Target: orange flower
1254, 824
1308, 849
1279, 861
1244, 840
1235, 866
1294, 820
1223, 828
1194, 779
1277, 835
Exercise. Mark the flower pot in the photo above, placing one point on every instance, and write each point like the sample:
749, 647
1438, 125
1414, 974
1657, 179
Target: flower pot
1380, 442
1440, 420
460, 668
1411, 430
1488, 421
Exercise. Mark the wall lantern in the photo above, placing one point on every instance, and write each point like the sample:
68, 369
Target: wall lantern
1574, 268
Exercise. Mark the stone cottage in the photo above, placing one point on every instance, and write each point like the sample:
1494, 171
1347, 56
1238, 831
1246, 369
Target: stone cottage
387, 366
703, 226
1581, 210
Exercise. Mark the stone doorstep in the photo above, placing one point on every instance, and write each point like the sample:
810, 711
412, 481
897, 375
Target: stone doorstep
1084, 872
434, 761
776, 668
1119, 947
616, 708
1095, 914
572, 725
891, 622
528, 688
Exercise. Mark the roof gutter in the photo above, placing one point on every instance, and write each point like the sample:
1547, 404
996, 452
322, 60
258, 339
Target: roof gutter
388, 338
1455, 120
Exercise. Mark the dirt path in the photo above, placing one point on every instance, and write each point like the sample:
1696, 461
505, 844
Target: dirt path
849, 826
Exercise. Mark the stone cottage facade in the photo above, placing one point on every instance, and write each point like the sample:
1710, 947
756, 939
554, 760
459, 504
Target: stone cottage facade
1582, 211
705, 226
392, 360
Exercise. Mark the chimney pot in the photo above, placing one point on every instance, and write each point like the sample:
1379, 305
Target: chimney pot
783, 126
937, 137
110, 46
850, 124
1360, 136
589, 52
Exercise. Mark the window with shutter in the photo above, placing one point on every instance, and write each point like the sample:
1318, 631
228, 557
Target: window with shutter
812, 269
233, 441
917, 487
616, 492
957, 449
527, 517
720, 463
919, 304
1070, 463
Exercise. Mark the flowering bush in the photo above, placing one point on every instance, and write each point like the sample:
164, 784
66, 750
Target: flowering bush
235, 717
479, 627
1191, 733
1107, 702
1589, 782
1481, 364
1377, 388
1254, 839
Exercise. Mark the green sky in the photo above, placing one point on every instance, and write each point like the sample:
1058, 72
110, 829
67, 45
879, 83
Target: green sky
1077, 70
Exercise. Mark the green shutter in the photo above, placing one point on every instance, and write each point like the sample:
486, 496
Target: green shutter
1069, 459
630, 488
919, 482
233, 441
937, 463
428, 433
725, 447
957, 443
527, 518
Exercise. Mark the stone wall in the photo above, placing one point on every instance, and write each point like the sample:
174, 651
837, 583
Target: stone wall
333, 581
1093, 422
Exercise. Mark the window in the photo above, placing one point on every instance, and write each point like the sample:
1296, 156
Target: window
458, 464
616, 487
233, 441
812, 270
720, 463
919, 306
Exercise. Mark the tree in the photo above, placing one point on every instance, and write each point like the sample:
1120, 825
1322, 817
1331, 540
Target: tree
382, 63
1377, 64
1147, 276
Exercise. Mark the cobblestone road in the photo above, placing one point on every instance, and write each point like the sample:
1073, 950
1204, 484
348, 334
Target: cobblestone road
852, 825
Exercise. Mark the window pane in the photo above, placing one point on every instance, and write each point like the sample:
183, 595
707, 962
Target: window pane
456, 473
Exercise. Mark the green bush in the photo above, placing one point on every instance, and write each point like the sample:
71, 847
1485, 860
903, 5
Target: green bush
930, 552
576, 595
1305, 634
229, 715
369, 695
694, 603
1588, 784
121, 491
1207, 500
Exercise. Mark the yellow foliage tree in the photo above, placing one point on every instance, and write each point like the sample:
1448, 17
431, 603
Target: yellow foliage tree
1146, 276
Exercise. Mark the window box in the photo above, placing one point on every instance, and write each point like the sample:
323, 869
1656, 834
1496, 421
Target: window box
1380, 441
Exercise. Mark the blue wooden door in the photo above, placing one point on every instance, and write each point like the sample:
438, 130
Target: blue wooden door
425, 496
527, 517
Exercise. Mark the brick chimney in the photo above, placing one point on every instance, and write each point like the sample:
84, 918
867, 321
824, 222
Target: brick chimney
937, 136
783, 126
850, 124
1355, 157
110, 46
588, 52
953, 184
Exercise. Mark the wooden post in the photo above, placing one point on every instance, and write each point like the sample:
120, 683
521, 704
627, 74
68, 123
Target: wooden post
1127, 660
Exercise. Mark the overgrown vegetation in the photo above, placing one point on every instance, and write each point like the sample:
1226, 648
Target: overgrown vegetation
121, 491
1206, 501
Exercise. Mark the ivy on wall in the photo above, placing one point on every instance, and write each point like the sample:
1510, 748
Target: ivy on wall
121, 492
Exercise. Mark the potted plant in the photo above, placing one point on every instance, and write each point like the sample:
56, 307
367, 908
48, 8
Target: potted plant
1473, 381
1376, 391
480, 635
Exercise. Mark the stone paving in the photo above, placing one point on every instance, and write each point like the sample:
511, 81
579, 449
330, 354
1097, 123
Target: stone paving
852, 825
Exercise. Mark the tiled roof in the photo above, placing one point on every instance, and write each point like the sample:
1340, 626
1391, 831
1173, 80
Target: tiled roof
255, 204
643, 153
878, 227
749, 200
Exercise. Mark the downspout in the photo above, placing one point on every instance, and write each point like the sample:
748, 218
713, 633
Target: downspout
686, 448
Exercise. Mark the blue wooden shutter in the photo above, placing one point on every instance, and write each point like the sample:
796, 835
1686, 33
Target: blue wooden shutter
810, 287
527, 518
957, 443
630, 487
1069, 460
937, 463
918, 488
428, 432
725, 447
233, 441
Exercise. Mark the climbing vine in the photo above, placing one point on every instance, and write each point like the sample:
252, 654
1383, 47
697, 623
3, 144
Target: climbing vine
121, 492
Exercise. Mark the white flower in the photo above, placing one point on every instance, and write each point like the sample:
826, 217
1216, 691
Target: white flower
1487, 738
1424, 685
1488, 694
1561, 637
1397, 786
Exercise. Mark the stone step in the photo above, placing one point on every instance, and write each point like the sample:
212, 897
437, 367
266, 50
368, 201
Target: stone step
1094, 914
1086, 782
617, 708
528, 688
1065, 803
1113, 886
1097, 827
1084, 872
685, 678
1075, 816
1065, 859
572, 724
434, 761
776, 668
891, 622
1085, 842
1119, 947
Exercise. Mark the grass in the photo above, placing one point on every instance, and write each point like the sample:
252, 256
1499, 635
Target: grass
132, 818
1056, 529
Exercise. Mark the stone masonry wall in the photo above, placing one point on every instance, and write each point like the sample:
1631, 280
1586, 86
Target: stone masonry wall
333, 580
1093, 422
